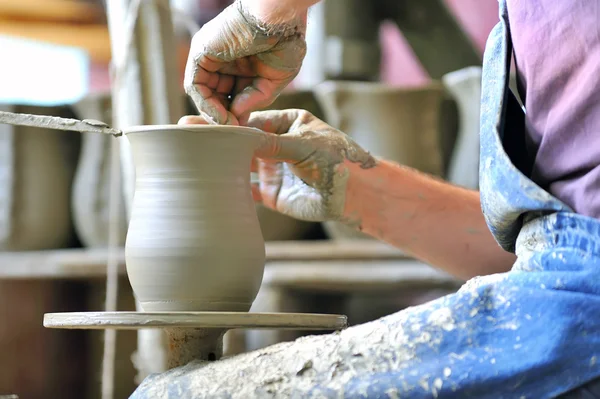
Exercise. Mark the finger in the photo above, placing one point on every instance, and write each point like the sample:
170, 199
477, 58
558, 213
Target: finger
271, 178
281, 144
192, 120
274, 121
197, 120
196, 86
214, 81
289, 148
241, 83
258, 96
256, 195
226, 84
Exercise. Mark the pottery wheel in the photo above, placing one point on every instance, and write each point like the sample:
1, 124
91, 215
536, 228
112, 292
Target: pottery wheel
225, 320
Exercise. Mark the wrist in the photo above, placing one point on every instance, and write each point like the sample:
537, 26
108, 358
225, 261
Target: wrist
362, 192
275, 17
381, 200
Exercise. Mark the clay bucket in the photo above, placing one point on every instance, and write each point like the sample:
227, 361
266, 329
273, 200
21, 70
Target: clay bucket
465, 86
397, 124
194, 242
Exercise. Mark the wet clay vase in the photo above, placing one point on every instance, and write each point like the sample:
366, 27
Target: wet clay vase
274, 225
194, 241
36, 172
396, 124
91, 186
465, 87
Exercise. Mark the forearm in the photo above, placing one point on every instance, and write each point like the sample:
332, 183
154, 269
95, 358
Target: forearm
278, 11
429, 219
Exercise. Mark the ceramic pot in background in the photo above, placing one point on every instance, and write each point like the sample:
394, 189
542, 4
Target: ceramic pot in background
91, 186
397, 124
194, 242
465, 86
36, 168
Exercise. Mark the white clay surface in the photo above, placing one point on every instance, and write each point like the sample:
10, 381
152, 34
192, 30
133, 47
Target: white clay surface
194, 242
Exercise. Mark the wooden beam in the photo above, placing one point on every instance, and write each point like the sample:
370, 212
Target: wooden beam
51, 11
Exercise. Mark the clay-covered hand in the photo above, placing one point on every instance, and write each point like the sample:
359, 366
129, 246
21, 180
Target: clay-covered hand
239, 63
304, 165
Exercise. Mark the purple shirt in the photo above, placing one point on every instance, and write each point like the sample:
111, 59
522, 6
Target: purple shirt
557, 52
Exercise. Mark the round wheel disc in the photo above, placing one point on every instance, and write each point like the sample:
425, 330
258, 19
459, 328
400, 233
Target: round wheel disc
228, 320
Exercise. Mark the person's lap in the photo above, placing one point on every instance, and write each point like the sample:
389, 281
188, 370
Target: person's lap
528, 333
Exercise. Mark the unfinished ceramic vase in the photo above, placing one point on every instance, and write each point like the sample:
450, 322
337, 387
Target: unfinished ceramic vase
91, 186
397, 124
194, 242
465, 86
36, 171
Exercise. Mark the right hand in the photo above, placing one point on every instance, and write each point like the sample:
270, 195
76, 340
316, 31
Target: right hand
304, 166
239, 64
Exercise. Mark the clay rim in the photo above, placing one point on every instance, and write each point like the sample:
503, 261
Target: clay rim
229, 129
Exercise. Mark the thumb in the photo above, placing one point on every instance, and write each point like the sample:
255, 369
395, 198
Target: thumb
287, 147
281, 143
274, 121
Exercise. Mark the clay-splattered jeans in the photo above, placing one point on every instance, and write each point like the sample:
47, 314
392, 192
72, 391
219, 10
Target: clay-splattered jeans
531, 333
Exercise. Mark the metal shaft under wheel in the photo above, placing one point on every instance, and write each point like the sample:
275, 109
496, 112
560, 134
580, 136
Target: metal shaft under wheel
194, 335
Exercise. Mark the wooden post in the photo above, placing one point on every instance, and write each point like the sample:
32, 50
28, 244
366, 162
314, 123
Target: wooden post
146, 91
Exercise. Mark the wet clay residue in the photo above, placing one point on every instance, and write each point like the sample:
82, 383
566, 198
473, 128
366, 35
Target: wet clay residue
53, 122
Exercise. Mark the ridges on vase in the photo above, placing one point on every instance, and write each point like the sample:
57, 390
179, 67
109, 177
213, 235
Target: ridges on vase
35, 183
396, 124
194, 242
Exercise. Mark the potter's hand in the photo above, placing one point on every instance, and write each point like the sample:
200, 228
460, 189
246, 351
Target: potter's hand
241, 60
303, 166
303, 171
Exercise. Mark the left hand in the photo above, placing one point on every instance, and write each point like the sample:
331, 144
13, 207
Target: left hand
304, 166
239, 63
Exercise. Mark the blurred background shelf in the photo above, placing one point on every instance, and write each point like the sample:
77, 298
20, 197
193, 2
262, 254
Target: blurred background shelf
80, 263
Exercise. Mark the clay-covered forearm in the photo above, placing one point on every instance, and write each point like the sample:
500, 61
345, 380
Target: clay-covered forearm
278, 11
432, 220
